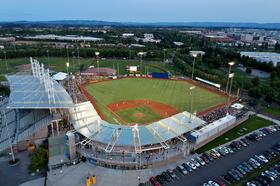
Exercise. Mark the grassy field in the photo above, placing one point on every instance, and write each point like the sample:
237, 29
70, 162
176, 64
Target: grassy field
273, 111
56, 64
172, 93
246, 127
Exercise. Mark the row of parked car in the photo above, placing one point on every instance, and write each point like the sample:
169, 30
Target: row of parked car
195, 163
237, 173
266, 177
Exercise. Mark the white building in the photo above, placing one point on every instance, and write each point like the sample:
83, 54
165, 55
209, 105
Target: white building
264, 57
127, 35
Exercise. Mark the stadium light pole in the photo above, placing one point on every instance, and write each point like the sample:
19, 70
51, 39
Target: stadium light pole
194, 57
67, 66
97, 61
164, 54
48, 58
5, 57
140, 54
73, 60
67, 53
228, 78
191, 105
78, 53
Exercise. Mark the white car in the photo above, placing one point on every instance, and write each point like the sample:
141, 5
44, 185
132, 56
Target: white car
195, 162
212, 183
191, 165
216, 152
263, 158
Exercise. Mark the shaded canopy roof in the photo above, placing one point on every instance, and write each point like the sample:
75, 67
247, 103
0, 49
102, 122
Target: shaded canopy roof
27, 92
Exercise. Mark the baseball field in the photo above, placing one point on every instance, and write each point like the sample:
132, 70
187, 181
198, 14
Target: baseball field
143, 100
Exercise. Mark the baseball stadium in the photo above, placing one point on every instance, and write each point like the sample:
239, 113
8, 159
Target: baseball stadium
130, 121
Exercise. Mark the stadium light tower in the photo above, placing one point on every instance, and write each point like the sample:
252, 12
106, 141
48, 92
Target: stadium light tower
73, 60
67, 67
191, 105
78, 53
194, 57
5, 57
97, 61
48, 58
230, 65
141, 54
67, 53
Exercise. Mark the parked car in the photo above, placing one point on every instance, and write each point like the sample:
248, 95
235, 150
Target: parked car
154, 181
182, 170
171, 173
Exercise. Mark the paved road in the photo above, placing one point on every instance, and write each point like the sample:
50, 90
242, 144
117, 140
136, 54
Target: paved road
221, 166
13, 176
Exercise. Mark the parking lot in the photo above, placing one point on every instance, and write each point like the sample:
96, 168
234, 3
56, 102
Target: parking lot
222, 165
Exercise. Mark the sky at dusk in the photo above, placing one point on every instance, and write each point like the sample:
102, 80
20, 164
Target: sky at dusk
261, 11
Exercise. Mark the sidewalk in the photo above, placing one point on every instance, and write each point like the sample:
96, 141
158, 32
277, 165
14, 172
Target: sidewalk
269, 118
76, 175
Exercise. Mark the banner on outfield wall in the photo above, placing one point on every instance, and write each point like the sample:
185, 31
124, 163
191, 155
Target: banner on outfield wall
208, 82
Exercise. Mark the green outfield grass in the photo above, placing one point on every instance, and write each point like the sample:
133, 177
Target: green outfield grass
56, 64
172, 93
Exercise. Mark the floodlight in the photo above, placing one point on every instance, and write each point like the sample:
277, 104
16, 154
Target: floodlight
231, 63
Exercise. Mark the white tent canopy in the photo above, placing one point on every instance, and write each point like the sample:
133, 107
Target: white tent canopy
237, 106
59, 76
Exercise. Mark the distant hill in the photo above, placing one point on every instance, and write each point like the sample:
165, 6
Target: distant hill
93, 23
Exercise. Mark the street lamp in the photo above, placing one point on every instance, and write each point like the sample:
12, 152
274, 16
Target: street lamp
230, 65
97, 61
194, 57
191, 105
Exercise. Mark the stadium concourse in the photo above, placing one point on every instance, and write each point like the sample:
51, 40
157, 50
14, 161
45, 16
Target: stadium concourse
37, 102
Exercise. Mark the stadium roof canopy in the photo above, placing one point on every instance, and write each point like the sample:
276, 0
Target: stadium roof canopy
28, 92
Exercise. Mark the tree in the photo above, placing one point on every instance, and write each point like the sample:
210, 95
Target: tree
256, 81
248, 70
255, 92
273, 75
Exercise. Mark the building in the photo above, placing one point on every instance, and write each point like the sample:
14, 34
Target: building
127, 35
264, 57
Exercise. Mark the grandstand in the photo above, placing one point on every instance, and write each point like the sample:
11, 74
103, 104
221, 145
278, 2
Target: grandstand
114, 138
